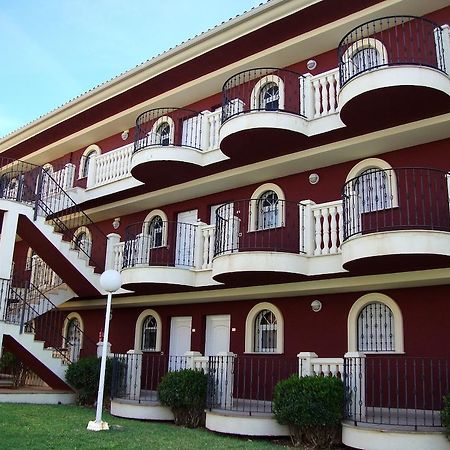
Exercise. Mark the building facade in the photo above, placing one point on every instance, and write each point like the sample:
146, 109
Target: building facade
290, 214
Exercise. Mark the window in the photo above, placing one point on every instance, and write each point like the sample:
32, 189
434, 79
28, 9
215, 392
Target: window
155, 232
375, 325
148, 330
373, 190
163, 134
268, 94
268, 211
269, 97
73, 336
365, 59
149, 333
87, 159
82, 242
264, 329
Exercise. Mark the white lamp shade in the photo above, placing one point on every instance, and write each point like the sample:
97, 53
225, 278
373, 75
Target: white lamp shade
110, 280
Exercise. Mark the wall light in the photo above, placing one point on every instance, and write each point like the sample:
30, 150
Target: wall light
313, 178
311, 64
125, 135
116, 223
316, 305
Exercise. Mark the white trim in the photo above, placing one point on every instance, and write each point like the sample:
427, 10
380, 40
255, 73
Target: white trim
270, 78
250, 324
138, 329
357, 308
91, 149
253, 207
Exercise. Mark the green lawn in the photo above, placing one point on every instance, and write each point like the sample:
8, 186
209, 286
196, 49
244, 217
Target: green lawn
64, 427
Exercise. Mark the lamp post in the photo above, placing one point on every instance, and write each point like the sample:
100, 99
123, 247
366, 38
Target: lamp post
110, 281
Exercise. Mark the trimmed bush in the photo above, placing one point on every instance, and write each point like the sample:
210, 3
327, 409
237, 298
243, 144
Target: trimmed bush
184, 392
84, 375
312, 408
445, 414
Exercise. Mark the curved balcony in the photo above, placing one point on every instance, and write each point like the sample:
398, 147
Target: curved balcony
257, 243
262, 112
171, 142
396, 220
158, 254
394, 68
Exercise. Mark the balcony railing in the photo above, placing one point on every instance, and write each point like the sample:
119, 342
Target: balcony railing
163, 127
391, 41
396, 199
170, 244
262, 89
396, 390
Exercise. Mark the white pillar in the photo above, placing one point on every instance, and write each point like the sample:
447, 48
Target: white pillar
199, 245
306, 231
305, 364
113, 239
7, 242
190, 359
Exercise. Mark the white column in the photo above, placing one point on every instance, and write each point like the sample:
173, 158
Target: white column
113, 239
134, 370
305, 363
307, 96
306, 226
199, 245
446, 47
190, 359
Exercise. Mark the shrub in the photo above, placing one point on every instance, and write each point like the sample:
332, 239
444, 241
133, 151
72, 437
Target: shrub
11, 364
312, 408
185, 392
84, 375
445, 414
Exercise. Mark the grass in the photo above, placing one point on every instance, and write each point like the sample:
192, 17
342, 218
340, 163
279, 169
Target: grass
64, 427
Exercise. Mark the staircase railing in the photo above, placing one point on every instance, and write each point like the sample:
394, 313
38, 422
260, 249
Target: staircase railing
35, 313
34, 186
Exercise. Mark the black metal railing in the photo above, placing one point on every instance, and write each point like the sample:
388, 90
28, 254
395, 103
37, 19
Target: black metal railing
169, 126
258, 225
136, 376
396, 390
36, 187
246, 383
34, 312
262, 89
391, 41
396, 199
170, 244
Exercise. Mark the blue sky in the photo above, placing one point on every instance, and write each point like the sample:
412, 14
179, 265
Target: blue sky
55, 50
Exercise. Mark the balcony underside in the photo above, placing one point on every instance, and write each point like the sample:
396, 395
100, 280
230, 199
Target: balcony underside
156, 164
396, 251
257, 267
158, 279
259, 135
394, 95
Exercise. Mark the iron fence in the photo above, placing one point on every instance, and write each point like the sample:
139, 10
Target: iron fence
391, 41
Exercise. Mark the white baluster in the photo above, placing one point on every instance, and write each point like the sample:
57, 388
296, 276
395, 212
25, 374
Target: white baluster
212, 232
326, 231
316, 84
331, 79
324, 90
340, 224
317, 232
333, 229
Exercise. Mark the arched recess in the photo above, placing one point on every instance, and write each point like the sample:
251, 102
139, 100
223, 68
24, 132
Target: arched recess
138, 335
275, 208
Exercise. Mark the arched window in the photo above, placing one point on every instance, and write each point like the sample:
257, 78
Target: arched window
268, 94
268, 211
375, 325
86, 160
82, 242
373, 190
264, 329
149, 333
147, 336
375, 328
73, 336
163, 134
155, 232
269, 97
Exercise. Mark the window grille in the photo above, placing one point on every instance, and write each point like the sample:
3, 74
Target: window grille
376, 328
155, 231
268, 211
265, 339
269, 97
149, 330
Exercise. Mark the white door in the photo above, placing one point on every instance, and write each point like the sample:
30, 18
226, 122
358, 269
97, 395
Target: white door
184, 251
217, 337
180, 341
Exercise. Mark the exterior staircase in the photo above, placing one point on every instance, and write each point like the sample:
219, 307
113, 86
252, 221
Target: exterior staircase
31, 325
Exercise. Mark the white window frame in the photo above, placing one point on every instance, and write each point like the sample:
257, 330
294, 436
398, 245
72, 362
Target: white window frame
250, 324
82, 172
352, 322
154, 138
255, 95
254, 206
138, 330
150, 216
